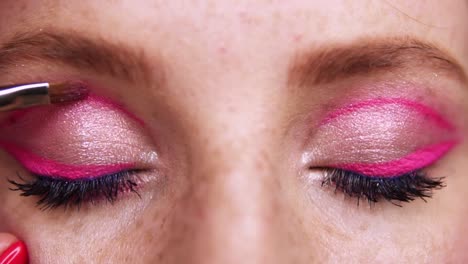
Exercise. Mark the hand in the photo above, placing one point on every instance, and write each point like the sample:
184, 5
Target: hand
12, 250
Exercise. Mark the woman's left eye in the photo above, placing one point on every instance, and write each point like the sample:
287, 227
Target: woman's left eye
402, 188
380, 149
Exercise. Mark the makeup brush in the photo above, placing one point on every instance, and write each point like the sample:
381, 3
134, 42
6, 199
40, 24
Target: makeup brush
34, 94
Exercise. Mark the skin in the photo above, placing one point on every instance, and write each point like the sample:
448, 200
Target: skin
233, 194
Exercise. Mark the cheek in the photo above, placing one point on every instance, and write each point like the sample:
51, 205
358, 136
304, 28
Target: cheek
459, 243
83, 236
455, 209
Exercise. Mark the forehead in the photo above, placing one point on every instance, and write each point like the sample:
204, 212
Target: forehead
233, 32
225, 17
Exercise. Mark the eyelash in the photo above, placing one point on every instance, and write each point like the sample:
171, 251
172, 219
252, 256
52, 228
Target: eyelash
56, 192
400, 189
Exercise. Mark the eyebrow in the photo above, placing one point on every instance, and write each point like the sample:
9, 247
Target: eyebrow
81, 52
314, 67
365, 57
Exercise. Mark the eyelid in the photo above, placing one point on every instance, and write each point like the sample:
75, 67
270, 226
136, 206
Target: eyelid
45, 167
116, 106
86, 139
412, 162
382, 137
422, 109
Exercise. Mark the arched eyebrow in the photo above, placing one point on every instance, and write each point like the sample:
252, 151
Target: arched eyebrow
366, 57
313, 67
79, 51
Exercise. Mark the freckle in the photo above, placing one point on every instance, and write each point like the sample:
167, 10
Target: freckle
81, 259
261, 164
222, 50
277, 16
139, 223
247, 19
156, 215
149, 237
297, 38
163, 223
363, 227
77, 228
23, 7
242, 15
223, 53
232, 109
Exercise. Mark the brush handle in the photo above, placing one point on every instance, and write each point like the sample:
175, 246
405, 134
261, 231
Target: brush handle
23, 96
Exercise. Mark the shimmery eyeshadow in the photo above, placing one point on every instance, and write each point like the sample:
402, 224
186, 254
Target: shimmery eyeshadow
89, 138
412, 105
383, 137
45, 167
113, 105
412, 162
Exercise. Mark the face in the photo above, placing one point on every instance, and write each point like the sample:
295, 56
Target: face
238, 132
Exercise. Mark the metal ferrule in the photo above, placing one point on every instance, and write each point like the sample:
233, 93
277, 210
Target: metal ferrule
22, 96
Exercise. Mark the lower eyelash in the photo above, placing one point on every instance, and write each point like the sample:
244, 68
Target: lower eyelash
57, 192
404, 188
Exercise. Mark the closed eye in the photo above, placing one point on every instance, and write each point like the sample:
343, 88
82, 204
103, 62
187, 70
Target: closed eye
380, 149
56, 192
79, 153
403, 188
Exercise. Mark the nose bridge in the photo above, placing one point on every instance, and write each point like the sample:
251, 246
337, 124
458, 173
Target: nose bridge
229, 213
233, 198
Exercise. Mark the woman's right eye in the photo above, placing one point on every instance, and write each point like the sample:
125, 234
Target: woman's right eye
380, 149
54, 192
78, 153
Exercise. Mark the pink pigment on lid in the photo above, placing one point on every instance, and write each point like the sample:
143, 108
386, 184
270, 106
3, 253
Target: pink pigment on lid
91, 98
412, 105
44, 167
412, 162
114, 105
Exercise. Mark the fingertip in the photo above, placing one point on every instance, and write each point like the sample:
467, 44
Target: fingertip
6, 240
12, 250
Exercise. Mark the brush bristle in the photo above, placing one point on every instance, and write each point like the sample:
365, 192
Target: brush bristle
67, 92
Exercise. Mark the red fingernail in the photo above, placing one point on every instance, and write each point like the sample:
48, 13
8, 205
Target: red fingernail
15, 254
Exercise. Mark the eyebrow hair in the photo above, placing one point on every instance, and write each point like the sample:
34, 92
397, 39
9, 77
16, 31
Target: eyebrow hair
82, 52
317, 66
338, 62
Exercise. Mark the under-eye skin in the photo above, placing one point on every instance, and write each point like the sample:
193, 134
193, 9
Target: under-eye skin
380, 149
88, 152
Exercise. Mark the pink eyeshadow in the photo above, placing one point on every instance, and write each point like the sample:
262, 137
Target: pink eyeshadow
412, 105
412, 162
56, 124
50, 168
91, 99
113, 105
